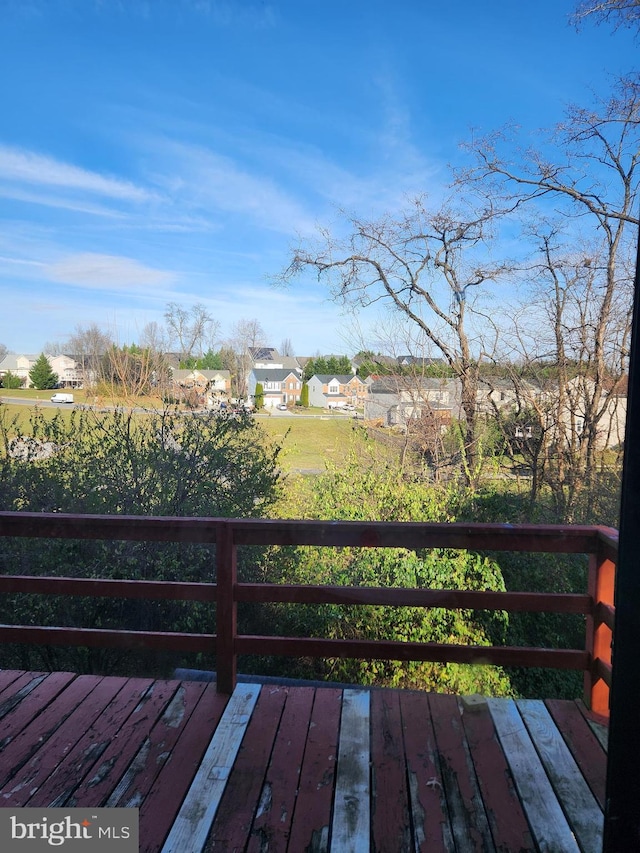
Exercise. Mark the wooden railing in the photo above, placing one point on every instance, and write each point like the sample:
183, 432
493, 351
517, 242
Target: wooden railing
594, 660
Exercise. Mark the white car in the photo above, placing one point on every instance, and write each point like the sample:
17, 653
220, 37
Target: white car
282, 407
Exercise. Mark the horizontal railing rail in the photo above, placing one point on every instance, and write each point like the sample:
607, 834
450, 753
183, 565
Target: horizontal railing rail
599, 543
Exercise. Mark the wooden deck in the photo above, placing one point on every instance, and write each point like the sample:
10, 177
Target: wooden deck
302, 768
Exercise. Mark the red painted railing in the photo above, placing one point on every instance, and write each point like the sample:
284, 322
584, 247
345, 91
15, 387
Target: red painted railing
594, 660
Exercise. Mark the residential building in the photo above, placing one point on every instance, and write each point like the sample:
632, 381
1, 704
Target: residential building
394, 400
330, 391
278, 385
268, 358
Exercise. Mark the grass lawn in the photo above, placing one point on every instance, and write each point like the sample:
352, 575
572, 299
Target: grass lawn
308, 442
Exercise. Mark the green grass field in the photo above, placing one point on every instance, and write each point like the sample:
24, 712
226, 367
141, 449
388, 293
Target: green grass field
309, 442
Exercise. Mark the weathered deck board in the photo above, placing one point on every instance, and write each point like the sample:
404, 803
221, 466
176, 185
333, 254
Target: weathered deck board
427, 801
546, 818
237, 808
578, 803
78, 762
300, 768
583, 743
97, 786
390, 823
469, 824
191, 828
507, 820
350, 830
17, 711
163, 801
312, 815
272, 824
61, 725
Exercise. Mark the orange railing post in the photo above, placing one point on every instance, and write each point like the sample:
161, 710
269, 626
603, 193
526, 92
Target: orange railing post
599, 639
226, 608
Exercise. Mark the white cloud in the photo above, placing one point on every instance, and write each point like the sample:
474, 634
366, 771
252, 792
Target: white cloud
28, 167
106, 272
64, 203
217, 184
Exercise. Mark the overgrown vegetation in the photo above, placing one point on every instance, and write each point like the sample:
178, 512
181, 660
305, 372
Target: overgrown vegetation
118, 463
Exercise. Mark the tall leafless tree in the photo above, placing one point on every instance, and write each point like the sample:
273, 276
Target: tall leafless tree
89, 345
245, 334
588, 179
193, 330
569, 395
429, 266
286, 347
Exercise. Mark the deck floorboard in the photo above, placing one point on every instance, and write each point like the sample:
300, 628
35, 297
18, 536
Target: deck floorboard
300, 768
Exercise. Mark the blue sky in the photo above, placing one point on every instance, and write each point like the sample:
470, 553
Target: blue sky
171, 150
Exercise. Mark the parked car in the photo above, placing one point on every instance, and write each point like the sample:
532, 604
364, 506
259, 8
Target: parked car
282, 406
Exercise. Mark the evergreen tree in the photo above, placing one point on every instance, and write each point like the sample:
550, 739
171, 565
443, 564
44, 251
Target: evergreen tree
11, 380
42, 375
304, 395
259, 396
340, 365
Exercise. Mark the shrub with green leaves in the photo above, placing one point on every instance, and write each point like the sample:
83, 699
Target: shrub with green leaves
362, 490
158, 464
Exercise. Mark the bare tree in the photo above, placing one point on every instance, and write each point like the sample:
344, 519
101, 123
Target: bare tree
428, 266
154, 337
130, 370
89, 345
245, 334
286, 347
248, 333
625, 13
591, 181
569, 394
3, 352
53, 348
192, 329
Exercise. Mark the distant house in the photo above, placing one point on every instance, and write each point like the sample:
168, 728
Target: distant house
268, 358
9, 364
213, 386
332, 390
278, 385
66, 368
395, 400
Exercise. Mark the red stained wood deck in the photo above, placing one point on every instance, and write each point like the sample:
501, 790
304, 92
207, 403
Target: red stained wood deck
304, 768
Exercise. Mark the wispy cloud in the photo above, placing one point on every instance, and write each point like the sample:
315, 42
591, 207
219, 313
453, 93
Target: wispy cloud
23, 166
106, 272
217, 184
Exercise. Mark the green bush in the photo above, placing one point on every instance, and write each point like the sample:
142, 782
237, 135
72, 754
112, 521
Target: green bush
117, 463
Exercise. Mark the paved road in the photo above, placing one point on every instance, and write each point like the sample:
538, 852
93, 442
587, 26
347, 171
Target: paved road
46, 403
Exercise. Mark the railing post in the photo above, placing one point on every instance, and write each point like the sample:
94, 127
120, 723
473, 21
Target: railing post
226, 608
602, 571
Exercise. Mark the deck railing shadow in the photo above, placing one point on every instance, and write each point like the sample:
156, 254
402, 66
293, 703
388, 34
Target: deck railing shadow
594, 659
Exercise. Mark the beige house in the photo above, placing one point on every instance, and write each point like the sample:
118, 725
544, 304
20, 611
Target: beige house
65, 367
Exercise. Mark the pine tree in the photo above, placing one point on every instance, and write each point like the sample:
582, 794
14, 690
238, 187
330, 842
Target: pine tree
42, 375
304, 395
258, 397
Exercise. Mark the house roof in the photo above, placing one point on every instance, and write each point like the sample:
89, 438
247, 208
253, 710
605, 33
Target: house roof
343, 378
396, 384
274, 374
